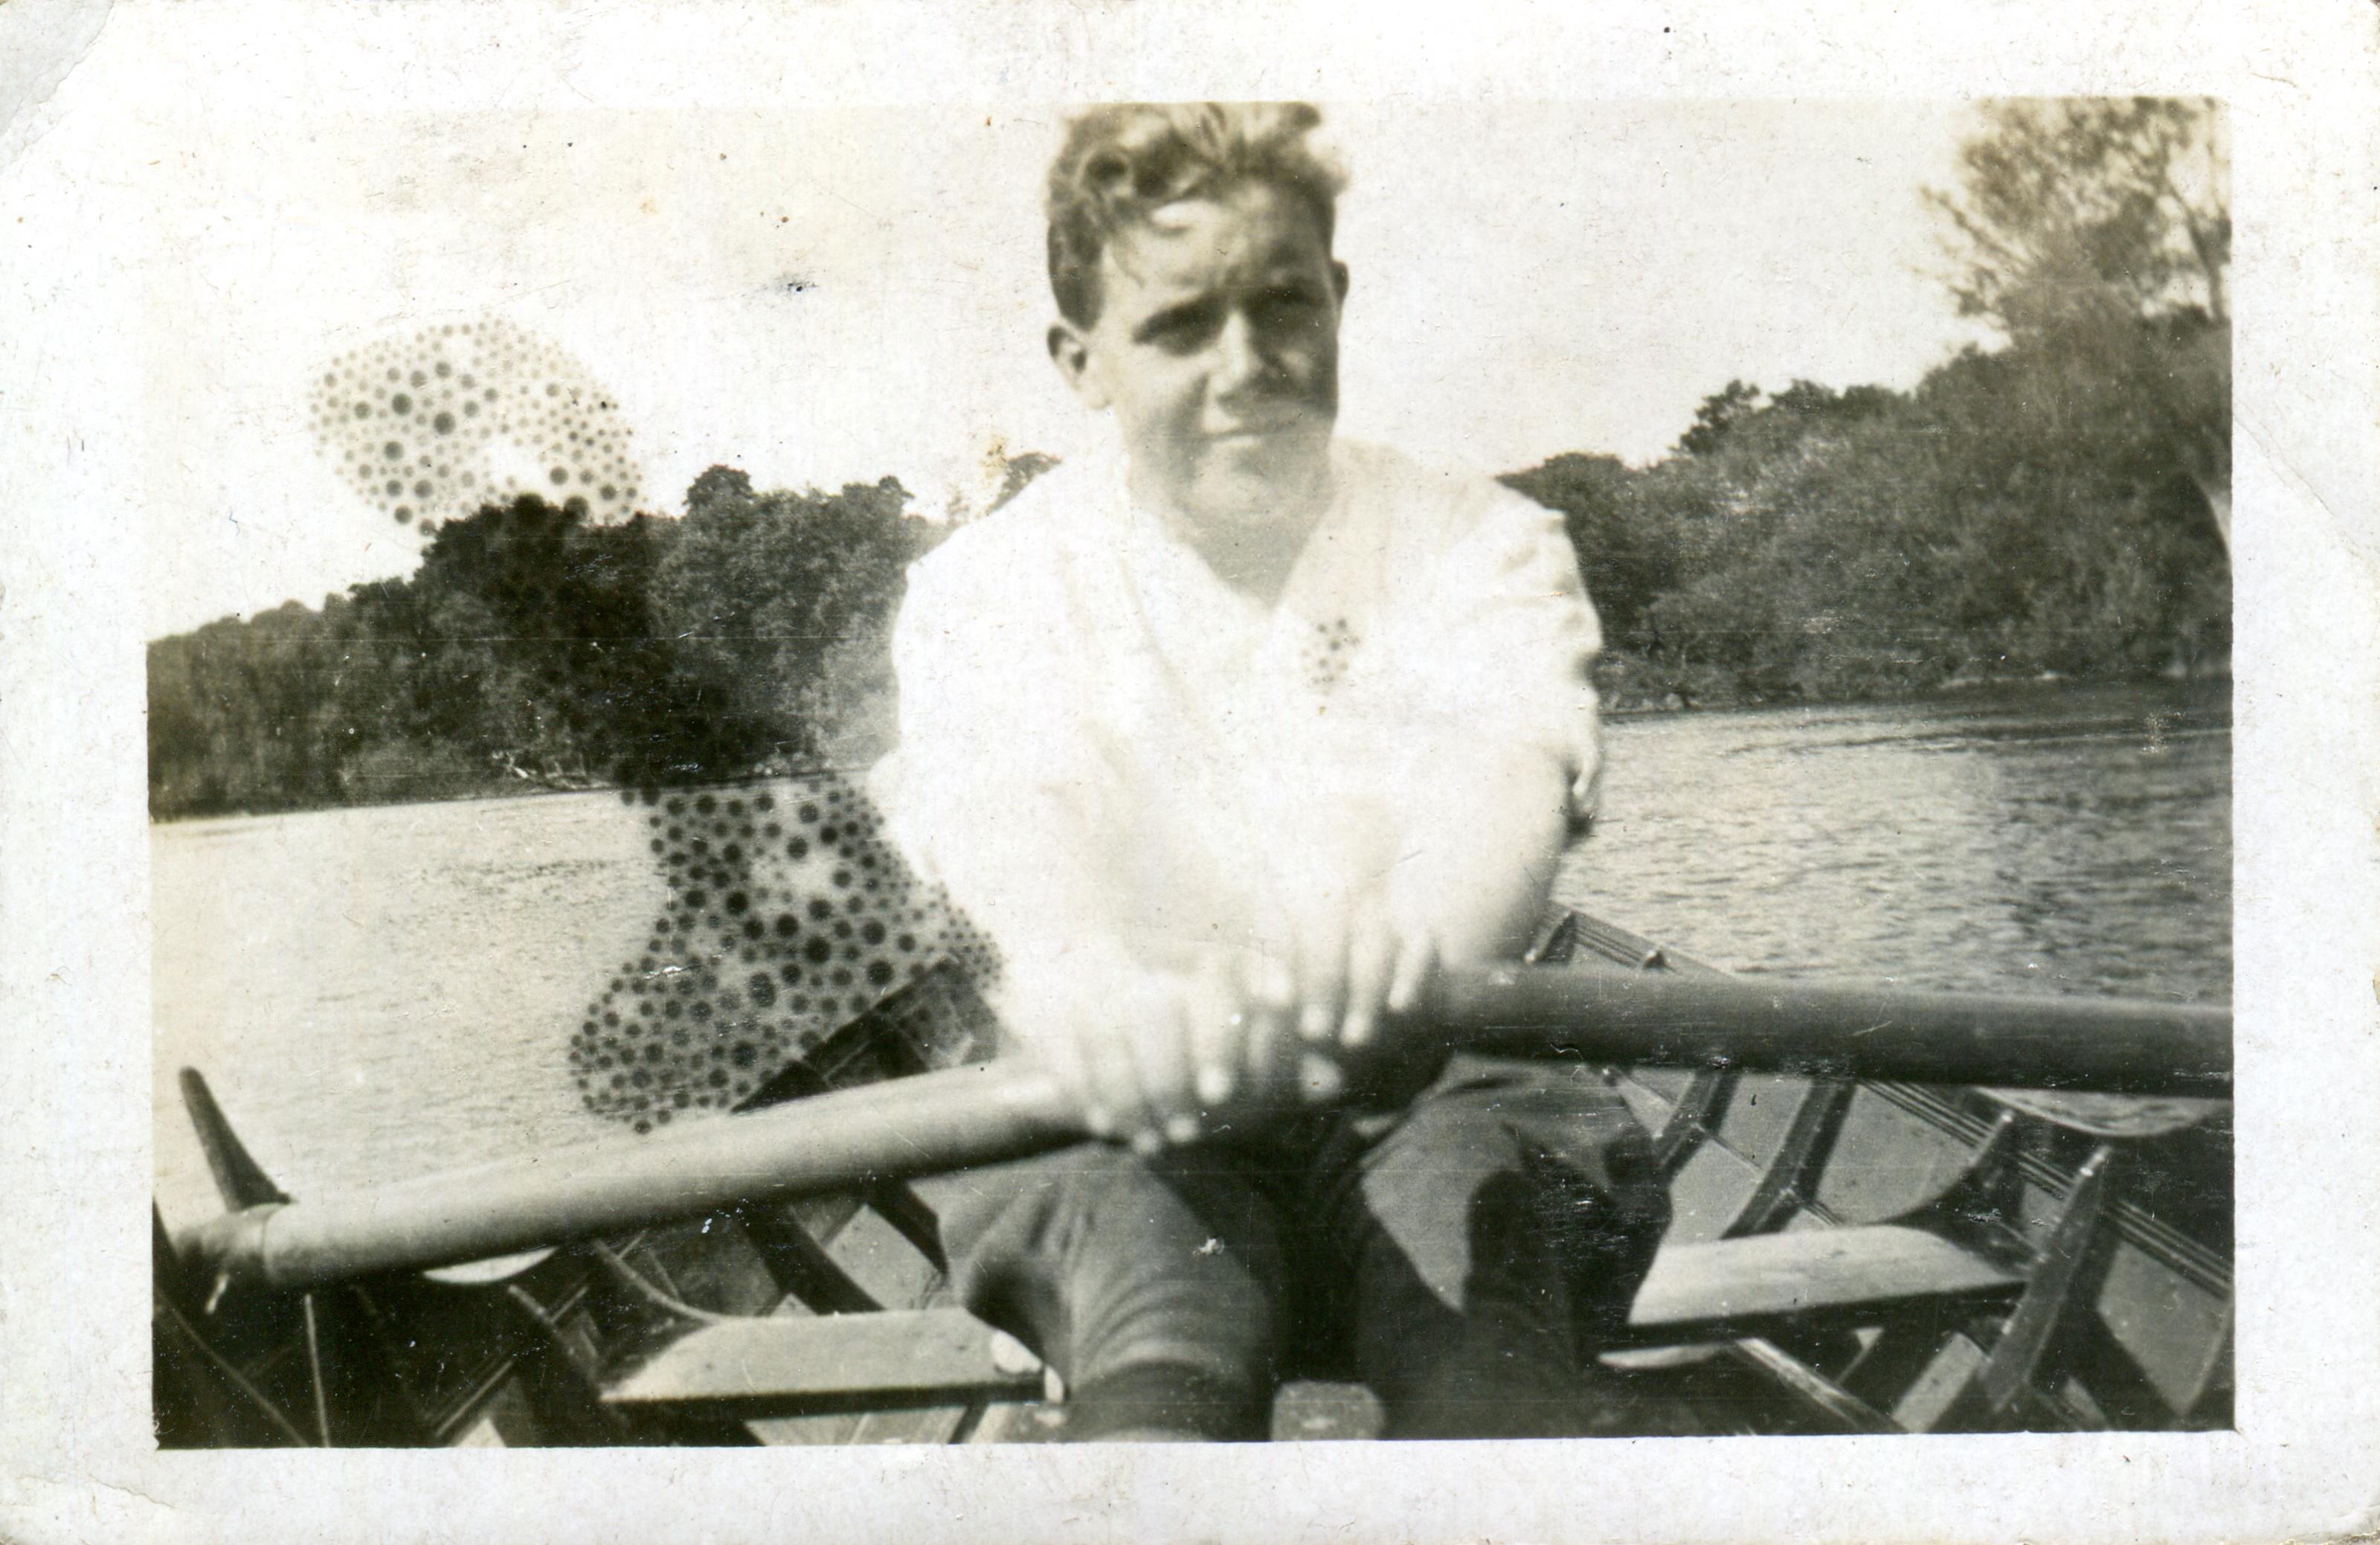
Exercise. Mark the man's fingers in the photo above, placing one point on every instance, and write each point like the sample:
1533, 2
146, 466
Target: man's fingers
1218, 1065
1417, 968
1161, 1049
1268, 1049
1061, 1052
1114, 1056
1218, 1025
1371, 956
1322, 975
1113, 1077
1270, 980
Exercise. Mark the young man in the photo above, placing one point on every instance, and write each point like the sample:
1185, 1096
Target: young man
1230, 742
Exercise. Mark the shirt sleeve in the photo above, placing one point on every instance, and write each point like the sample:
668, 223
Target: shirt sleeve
1506, 639
997, 791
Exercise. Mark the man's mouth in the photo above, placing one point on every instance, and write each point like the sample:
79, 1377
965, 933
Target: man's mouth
1269, 430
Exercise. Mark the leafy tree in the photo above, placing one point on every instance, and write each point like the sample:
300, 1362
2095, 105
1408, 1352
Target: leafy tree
234, 714
2081, 546
2077, 206
532, 641
1017, 472
525, 648
2100, 231
785, 601
1719, 413
1624, 552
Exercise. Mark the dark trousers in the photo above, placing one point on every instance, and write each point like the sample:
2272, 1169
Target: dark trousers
1463, 1255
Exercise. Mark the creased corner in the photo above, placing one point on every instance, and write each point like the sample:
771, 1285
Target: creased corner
41, 43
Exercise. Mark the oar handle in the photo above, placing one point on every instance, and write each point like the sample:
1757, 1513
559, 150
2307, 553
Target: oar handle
971, 1115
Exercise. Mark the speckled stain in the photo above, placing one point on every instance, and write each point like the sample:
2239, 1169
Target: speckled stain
788, 917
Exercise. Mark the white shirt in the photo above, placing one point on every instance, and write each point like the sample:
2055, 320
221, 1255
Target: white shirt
1101, 739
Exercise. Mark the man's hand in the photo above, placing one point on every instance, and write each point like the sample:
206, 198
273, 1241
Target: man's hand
1359, 945
1368, 897
1355, 966
1159, 1057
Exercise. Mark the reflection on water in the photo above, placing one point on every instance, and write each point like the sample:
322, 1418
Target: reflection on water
378, 992
2075, 839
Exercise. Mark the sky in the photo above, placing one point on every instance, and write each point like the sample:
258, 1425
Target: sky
823, 296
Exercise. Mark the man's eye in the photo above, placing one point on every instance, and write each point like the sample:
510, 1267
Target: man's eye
1290, 305
1181, 331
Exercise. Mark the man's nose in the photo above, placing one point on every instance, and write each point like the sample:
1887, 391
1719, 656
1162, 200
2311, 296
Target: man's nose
1240, 357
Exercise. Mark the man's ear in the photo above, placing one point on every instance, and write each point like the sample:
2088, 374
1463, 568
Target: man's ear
1071, 352
1339, 278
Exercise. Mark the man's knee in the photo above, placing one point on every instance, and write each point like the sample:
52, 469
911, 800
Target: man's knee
1501, 1160
1109, 1264
1557, 1121
1158, 1400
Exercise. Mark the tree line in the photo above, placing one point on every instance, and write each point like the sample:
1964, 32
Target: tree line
2000, 520
2058, 504
536, 647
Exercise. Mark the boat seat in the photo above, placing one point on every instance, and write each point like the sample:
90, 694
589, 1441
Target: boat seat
774, 1365
811, 1364
1724, 1289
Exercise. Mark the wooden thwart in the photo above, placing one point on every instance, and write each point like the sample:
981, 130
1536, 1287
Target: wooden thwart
778, 1364
1725, 1289
1751, 1286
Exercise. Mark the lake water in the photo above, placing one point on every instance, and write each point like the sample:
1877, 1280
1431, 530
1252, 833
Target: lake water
377, 993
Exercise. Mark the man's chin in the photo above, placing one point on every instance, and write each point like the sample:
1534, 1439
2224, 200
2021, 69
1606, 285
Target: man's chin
1243, 503
1252, 479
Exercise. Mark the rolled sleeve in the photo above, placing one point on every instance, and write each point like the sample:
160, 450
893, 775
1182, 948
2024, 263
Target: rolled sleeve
1507, 650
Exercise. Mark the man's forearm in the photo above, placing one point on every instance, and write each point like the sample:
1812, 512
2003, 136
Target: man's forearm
1484, 832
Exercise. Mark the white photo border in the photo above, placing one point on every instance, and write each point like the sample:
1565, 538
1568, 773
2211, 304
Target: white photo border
79, 1458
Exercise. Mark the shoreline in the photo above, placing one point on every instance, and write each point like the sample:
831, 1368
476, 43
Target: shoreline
1632, 714
1639, 706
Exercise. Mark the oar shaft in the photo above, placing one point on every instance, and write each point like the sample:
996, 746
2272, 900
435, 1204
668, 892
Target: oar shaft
920, 1125
2101, 1044
965, 1116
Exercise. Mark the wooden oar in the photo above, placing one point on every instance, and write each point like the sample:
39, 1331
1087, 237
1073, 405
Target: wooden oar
2108, 1045
972, 1116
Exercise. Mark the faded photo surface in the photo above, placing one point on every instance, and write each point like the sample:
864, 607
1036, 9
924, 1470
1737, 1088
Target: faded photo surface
1142, 608
1151, 794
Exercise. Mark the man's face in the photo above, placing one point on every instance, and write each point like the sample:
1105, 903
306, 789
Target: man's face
1217, 344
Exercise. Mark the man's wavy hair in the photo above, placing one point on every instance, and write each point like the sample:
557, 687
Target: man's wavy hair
1124, 159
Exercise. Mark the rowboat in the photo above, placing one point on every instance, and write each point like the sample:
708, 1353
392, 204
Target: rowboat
1893, 1212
